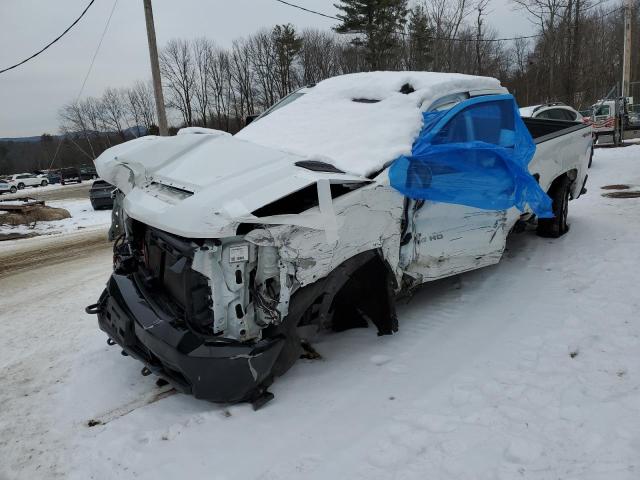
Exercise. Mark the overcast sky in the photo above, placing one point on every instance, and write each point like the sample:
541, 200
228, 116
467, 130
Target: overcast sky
31, 95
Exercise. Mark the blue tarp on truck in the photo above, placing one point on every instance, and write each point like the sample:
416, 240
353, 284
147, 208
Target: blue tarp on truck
476, 154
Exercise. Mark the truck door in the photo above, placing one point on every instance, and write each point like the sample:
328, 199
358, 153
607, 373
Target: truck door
444, 239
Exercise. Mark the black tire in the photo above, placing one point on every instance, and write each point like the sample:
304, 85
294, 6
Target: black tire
44, 183
13, 189
590, 158
20, 186
557, 226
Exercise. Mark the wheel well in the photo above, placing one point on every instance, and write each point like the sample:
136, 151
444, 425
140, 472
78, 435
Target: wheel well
570, 175
359, 290
322, 302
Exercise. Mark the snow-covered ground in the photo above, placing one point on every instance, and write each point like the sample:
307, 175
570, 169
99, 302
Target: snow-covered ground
83, 216
528, 369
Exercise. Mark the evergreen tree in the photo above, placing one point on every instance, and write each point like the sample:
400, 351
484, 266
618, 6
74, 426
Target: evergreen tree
377, 24
287, 45
420, 39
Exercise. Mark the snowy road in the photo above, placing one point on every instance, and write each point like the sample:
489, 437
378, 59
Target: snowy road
528, 369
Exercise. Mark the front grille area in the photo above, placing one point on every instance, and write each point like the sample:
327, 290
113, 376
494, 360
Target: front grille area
170, 282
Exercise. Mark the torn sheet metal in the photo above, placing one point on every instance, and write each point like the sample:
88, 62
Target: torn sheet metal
366, 219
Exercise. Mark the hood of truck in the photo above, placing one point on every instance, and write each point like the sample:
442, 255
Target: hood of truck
202, 185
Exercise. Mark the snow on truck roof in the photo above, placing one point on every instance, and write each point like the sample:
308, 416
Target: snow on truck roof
359, 122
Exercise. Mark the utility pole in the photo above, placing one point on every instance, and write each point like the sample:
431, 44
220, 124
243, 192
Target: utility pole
626, 63
155, 69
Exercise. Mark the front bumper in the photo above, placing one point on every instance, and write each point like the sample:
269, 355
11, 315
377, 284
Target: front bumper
215, 370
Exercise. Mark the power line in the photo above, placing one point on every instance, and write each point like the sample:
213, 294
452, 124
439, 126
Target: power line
431, 37
308, 10
52, 42
86, 77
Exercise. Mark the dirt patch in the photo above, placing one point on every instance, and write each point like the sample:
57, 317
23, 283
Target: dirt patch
34, 215
16, 236
50, 251
616, 187
630, 194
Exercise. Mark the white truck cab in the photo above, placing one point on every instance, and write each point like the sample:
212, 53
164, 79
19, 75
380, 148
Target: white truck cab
234, 245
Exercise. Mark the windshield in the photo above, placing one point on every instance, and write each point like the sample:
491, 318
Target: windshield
602, 110
283, 102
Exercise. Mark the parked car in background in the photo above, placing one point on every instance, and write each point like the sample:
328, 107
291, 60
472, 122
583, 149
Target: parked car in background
6, 187
552, 111
23, 180
88, 172
54, 178
69, 175
634, 116
101, 195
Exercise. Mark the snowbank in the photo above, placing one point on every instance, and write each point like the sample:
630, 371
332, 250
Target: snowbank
83, 216
332, 120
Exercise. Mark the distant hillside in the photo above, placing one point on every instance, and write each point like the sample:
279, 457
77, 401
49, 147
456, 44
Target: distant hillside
20, 139
26, 154
129, 132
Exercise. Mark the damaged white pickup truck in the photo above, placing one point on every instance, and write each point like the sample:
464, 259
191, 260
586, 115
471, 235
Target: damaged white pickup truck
318, 214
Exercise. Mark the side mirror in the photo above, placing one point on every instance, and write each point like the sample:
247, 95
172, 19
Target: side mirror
249, 119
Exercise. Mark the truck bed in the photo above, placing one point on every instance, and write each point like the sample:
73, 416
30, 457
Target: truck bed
561, 146
542, 129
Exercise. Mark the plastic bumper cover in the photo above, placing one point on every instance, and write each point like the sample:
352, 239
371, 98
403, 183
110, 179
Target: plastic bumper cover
218, 371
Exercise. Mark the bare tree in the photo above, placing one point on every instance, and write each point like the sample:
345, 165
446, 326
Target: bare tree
263, 63
220, 81
177, 67
203, 52
143, 92
242, 79
318, 56
113, 112
446, 19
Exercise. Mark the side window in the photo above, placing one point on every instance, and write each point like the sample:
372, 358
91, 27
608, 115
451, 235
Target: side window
553, 114
489, 122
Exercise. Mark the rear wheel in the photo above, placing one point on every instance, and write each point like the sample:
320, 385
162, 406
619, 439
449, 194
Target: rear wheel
590, 157
44, 183
13, 189
557, 226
